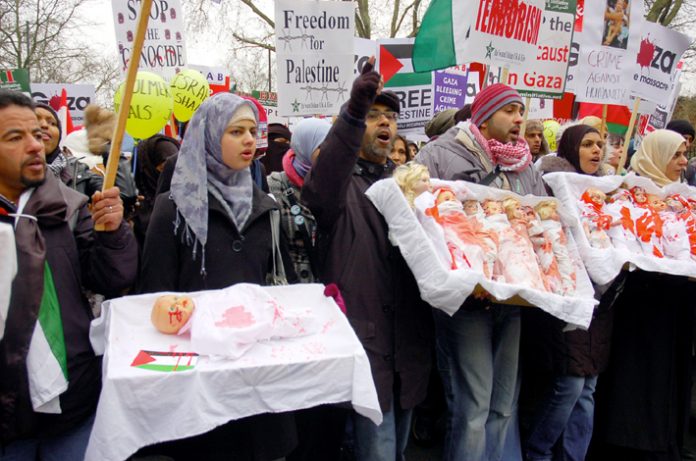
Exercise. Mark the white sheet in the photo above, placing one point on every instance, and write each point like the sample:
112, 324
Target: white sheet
8, 270
447, 289
604, 265
139, 407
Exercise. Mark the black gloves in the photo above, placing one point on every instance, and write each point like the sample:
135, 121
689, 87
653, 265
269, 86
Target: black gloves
364, 92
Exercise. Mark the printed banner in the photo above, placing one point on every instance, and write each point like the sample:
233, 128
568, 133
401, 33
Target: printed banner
611, 36
314, 55
164, 50
15, 79
575, 43
655, 67
545, 75
414, 89
487, 31
79, 97
218, 78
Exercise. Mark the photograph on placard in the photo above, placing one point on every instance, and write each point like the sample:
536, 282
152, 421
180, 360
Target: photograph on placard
617, 20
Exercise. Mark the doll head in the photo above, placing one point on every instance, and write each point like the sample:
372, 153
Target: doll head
513, 209
639, 195
445, 194
447, 202
548, 209
656, 203
594, 196
413, 179
491, 207
471, 207
676, 203
619, 195
529, 213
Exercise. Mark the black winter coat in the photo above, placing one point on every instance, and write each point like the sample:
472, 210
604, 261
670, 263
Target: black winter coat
382, 299
231, 257
105, 262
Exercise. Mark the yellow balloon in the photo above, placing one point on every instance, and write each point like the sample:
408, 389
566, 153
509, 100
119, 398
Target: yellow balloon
550, 129
151, 105
189, 88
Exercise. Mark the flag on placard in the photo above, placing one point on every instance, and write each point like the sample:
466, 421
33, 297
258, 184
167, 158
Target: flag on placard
66, 122
165, 361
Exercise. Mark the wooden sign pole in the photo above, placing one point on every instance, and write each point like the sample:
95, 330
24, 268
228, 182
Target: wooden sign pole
603, 126
117, 138
627, 138
527, 102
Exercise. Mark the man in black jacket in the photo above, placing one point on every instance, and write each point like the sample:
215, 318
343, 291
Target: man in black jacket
382, 300
49, 375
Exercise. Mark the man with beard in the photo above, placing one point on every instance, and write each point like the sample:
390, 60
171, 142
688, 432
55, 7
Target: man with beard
534, 135
382, 300
478, 347
49, 375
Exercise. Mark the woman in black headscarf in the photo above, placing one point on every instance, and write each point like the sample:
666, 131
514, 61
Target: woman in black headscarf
579, 151
152, 153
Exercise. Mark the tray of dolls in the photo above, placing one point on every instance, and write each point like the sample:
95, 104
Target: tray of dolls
457, 240
157, 387
627, 221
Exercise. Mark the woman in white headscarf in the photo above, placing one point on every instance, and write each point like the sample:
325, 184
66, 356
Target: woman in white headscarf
210, 231
643, 397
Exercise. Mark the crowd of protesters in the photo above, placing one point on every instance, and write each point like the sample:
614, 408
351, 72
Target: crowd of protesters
193, 215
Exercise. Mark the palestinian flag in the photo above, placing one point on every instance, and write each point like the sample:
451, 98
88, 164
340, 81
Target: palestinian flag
47, 362
165, 361
395, 64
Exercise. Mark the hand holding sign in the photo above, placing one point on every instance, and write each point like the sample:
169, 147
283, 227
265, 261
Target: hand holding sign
365, 89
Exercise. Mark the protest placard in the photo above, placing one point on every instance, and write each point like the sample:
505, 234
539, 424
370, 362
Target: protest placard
414, 89
164, 49
79, 96
218, 78
655, 66
15, 79
544, 76
487, 31
611, 36
575, 44
314, 56
449, 90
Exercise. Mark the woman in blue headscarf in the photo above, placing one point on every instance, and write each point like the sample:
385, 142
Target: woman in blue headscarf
297, 221
210, 231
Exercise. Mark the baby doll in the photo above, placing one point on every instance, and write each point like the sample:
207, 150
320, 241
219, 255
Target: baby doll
516, 258
623, 226
594, 220
469, 243
413, 179
648, 224
675, 239
554, 233
681, 208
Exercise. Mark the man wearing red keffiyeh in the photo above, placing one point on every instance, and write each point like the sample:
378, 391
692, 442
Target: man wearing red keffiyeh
478, 347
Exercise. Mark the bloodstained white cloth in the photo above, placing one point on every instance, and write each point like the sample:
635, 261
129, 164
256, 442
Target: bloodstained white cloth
155, 389
604, 264
445, 288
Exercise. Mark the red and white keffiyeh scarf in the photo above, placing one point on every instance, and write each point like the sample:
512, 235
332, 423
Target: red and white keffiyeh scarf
510, 157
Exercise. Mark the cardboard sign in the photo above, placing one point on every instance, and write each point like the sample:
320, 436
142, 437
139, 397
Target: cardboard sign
314, 55
164, 50
79, 97
449, 90
611, 36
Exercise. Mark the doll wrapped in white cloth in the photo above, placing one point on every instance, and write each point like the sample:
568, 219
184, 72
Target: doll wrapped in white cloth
517, 261
648, 224
623, 227
595, 221
675, 238
554, 233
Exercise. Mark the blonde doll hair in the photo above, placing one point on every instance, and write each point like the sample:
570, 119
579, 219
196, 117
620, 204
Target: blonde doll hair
406, 176
509, 204
545, 209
